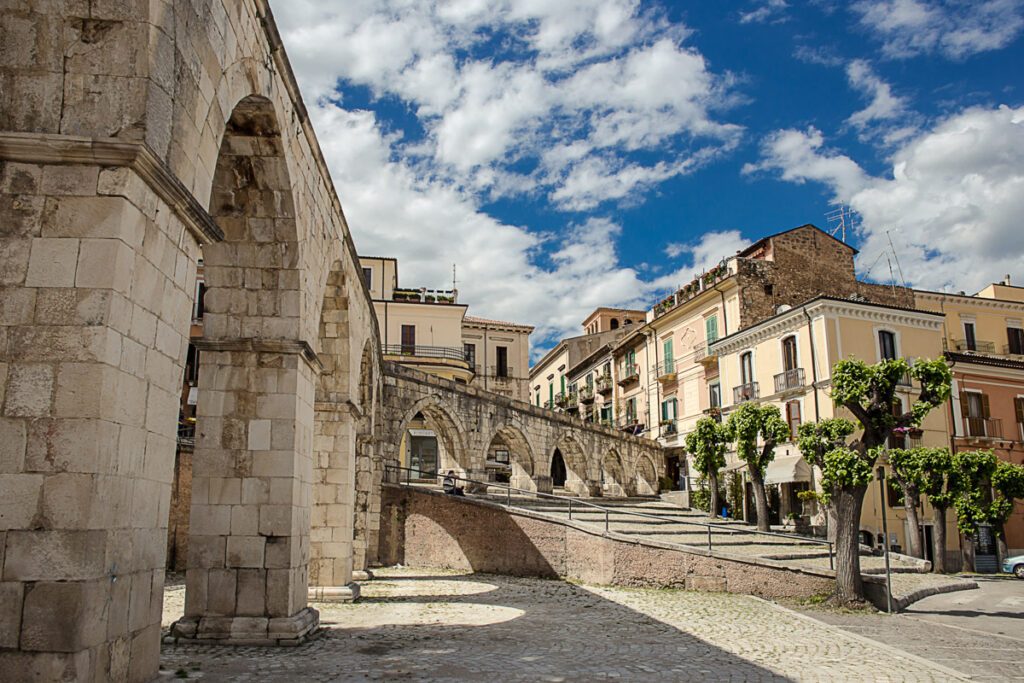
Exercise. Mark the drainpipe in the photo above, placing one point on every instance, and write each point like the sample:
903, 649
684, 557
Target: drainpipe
814, 365
725, 315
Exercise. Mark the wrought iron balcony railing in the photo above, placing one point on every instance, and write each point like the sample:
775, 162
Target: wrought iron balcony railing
586, 394
603, 384
665, 369
702, 352
667, 428
790, 379
630, 373
975, 345
448, 352
746, 392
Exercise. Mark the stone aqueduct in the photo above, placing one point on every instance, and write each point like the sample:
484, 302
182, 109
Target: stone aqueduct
136, 137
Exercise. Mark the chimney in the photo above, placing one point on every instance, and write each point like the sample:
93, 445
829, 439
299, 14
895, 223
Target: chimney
1006, 280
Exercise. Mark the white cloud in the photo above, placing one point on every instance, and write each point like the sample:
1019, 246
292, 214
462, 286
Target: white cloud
883, 105
703, 254
953, 202
496, 85
768, 10
954, 28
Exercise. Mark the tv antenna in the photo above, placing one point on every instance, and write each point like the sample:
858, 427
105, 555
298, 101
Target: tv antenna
840, 219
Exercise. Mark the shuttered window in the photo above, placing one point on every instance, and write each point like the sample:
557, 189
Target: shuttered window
793, 418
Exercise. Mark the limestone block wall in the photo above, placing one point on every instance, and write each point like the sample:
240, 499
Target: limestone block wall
96, 289
428, 529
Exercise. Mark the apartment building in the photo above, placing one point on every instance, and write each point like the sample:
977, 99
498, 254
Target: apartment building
787, 360
499, 353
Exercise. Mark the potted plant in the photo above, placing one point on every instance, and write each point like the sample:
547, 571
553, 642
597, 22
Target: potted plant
429, 298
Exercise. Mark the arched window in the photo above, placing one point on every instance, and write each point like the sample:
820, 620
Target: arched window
747, 368
615, 323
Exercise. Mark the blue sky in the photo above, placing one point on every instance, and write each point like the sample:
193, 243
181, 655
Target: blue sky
572, 154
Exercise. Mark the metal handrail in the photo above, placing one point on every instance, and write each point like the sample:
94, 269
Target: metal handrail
607, 511
449, 352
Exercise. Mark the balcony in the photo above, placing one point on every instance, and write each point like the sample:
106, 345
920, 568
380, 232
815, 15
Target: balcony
187, 433
790, 379
983, 427
746, 392
630, 425
445, 352
603, 384
501, 372
703, 353
667, 428
665, 371
972, 346
630, 374
561, 399
1013, 350
426, 296
699, 284
586, 394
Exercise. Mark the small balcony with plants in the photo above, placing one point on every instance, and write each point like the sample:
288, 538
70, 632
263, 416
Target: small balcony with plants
630, 375
586, 394
603, 384
748, 391
667, 428
426, 296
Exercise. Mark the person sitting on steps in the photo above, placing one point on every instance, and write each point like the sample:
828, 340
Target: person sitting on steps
449, 485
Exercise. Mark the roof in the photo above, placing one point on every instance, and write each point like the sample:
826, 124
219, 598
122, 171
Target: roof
984, 360
758, 244
486, 321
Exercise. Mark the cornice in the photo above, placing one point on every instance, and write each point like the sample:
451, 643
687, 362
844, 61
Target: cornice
257, 345
45, 148
971, 301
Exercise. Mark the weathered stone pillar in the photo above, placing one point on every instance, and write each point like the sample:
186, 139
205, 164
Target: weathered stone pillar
330, 568
96, 279
251, 482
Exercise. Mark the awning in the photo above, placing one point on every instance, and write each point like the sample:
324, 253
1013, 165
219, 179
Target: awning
789, 469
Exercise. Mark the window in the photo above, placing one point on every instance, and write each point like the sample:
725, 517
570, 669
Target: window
615, 323
897, 439
715, 395
793, 418
470, 351
502, 369
200, 307
886, 345
191, 365
789, 353
970, 339
631, 410
711, 329
1015, 337
590, 381
1018, 409
551, 396
368, 278
408, 339
895, 497
747, 368
668, 409
974, 408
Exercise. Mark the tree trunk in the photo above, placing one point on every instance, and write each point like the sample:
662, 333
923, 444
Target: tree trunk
939, 551
830, 522
1002, 551
760, 499
910, 500
849, 583
713, 484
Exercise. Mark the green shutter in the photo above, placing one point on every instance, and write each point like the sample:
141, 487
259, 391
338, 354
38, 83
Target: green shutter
711, 328
667, 346
562, 380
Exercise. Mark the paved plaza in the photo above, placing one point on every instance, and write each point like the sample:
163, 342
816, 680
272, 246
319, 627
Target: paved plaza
431, 625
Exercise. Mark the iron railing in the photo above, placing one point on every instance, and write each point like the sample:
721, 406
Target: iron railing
499, 372
586, 394
973, 345
630, 373
1013, 350
790, 379
187, 434
448, 352
703, 352
665, 368
726, 529
984, 427
667, 428
603, 384
745, 392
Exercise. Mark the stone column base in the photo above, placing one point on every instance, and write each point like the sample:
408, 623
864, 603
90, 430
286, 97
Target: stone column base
347, 593
292, 630
365, 575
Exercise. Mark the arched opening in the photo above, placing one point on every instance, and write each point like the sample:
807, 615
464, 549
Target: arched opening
509, 459
615, 323
432, 442
645, 477
558, 471
613, 477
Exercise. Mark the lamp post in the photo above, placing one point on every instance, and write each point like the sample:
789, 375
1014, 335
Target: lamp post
885, 535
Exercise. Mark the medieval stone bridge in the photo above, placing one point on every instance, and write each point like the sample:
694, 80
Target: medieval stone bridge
135, 138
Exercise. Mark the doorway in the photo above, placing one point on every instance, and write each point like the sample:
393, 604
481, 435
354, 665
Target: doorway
557, 469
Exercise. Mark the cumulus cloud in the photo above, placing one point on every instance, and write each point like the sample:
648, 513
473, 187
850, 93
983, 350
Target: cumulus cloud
953, 201
954, 28
767, 11
494, 86
884, 107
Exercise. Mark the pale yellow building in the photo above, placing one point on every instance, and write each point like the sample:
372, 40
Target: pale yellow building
787, 361
499, 353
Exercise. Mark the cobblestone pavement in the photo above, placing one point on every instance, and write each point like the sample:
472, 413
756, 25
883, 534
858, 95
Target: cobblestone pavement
978, 632
432, 625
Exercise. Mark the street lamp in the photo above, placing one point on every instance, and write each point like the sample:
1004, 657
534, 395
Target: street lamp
885, 535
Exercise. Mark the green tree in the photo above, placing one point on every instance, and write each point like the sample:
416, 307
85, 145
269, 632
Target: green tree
911, 475
1008, 484
943, 485
746, 424
868, 392
975, 504
707, 444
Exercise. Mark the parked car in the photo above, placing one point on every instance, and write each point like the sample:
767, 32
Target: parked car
1014, 565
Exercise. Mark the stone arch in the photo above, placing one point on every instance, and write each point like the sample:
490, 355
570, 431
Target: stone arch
572, 455
613, 475
521, 457
645, 477
449, 429
257, 385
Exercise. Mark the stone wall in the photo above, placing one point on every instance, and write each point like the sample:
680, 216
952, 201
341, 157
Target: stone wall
429, 529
